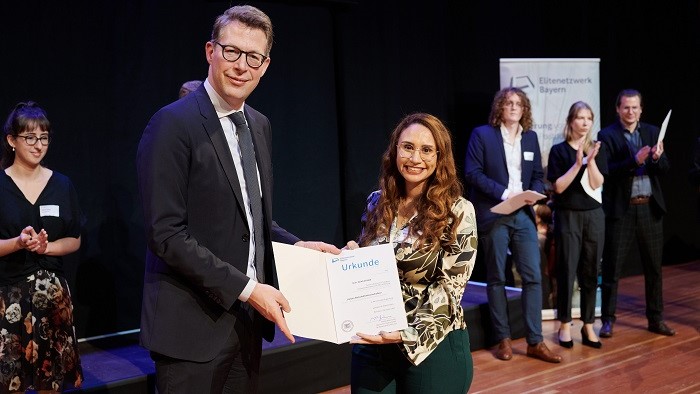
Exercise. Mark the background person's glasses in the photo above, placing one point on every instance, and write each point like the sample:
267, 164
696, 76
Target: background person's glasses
31, 140
231, 53
406, 150
513, 104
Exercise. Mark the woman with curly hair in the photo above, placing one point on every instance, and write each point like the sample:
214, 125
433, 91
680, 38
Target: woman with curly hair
39, 223
419, 208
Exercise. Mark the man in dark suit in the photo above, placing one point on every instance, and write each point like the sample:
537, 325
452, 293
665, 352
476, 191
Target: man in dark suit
210, 288
503, 158
634, 208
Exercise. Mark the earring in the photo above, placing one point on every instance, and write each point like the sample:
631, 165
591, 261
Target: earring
13, 148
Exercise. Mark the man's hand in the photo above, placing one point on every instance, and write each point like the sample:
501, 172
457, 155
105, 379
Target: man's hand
657, 151
270, 302
642, 155
320, 246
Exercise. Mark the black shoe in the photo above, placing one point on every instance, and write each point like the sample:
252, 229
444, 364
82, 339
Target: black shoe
606, 331
661, 328
566, 344
588, 342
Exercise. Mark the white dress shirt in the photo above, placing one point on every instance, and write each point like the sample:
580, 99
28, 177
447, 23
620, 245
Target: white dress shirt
514, 160
223, 110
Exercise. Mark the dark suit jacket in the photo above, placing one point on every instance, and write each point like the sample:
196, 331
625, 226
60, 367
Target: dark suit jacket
486, 171
196, 228
621, 168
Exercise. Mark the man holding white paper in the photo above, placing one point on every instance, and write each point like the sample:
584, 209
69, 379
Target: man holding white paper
634, 207
503, 159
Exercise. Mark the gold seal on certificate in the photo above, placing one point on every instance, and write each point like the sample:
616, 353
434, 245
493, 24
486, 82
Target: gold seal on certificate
335, 296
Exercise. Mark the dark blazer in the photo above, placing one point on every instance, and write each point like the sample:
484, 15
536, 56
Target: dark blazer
196, 228
486, 171
621, 168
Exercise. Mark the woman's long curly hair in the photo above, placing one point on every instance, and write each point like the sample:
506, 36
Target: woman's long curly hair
498, 105
433, 206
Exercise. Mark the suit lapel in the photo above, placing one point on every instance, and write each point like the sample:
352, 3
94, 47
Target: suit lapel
262, 157
212, 125
645, 136
500, 150
525, 167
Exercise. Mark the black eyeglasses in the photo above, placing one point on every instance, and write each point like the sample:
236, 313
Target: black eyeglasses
31, 140
231, 54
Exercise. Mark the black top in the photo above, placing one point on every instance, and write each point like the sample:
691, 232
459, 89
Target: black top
56, 211
561, 157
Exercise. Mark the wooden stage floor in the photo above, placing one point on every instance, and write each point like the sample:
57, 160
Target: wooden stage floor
634, 360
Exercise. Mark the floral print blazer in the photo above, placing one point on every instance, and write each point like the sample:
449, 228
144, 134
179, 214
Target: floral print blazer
432, 281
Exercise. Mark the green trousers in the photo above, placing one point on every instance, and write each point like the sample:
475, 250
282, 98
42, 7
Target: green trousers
385, 369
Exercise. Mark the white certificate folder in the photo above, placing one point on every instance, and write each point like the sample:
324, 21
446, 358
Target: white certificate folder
333, 297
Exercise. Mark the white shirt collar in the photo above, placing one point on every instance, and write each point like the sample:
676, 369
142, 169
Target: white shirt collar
222, 108
505, 133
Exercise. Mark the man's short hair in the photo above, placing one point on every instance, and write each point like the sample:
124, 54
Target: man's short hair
249, 16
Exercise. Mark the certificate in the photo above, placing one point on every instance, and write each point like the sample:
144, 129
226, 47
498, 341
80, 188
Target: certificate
517, 201
664, 126
333, 297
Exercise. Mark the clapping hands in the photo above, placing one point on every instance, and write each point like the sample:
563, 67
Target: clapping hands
32, 241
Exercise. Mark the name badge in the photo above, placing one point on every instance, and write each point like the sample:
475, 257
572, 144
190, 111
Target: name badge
48, 210
528, 156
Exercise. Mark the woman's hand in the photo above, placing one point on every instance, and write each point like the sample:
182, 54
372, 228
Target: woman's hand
594, 152
27, 239
351, 245
31, 241
382, 339
579, 156
43, 246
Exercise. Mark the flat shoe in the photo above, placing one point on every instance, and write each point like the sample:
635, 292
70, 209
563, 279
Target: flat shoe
542, 352
505, 350
606, 331
662, 328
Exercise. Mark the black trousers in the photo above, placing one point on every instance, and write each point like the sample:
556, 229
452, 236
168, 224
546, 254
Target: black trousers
642, 224
235, 369
580, 236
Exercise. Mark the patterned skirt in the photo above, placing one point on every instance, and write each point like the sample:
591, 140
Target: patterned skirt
38, 348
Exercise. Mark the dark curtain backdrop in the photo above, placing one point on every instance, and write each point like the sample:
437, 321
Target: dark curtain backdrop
342, 74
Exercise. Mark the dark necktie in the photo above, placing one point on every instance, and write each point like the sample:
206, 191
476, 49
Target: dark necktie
250, 173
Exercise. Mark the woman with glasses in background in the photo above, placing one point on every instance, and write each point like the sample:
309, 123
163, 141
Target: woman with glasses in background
39, 223
419, 208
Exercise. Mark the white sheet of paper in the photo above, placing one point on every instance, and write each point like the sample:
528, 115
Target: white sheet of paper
333, 297
664, 126
596, 194
513, 203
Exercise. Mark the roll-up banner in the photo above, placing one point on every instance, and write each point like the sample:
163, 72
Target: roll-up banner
552, 85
